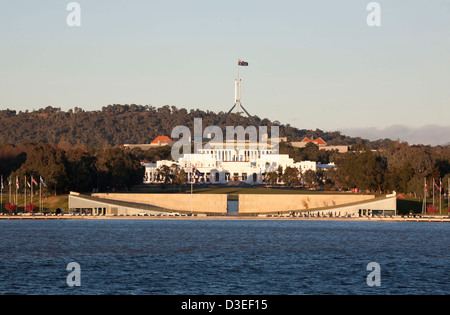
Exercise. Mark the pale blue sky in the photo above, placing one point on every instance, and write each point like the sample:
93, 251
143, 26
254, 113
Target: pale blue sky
313, 64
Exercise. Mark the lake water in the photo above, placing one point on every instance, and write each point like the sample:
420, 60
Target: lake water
193, 257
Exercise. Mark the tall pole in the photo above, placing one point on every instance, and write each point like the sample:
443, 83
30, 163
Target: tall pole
440, 196
17, 184
31, 194
238, 91
40, 197
25, 195
424, 205
1, 195
433, 192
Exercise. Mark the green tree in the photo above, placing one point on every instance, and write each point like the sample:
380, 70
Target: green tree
48, 162
81, 170
163, 174
290, 176
119, 169
309, 177
311, 152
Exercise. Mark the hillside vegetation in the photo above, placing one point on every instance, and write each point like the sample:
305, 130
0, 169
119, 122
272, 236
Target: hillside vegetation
122, 124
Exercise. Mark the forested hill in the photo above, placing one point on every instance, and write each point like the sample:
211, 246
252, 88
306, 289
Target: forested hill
121, 124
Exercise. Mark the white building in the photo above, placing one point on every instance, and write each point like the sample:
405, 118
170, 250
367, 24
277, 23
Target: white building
243, 162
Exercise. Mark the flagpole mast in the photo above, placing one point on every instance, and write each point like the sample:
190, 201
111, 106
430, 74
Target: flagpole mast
433, 191
238, 91
40, 198
424, 205
440, 196
16, 201
1, 195
25, 196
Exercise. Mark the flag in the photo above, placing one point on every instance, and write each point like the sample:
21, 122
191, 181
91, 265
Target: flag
33, 180
438, 188
2, 182
28, 183
196, 171
42, 181
242, 63
17, 182
9, 181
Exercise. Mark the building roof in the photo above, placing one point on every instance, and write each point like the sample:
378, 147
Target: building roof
161, 139
318, 141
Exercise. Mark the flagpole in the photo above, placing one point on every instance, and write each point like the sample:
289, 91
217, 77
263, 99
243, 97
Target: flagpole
440, 196
1, 195
238, 88
25, 195
40, 198
16, 201
448, 198
424, 205
433, 191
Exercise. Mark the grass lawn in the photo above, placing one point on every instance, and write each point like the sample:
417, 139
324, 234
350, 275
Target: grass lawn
414, 205
49, 204
258, 190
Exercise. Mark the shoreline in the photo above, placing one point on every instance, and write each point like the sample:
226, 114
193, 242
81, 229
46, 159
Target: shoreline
228, 218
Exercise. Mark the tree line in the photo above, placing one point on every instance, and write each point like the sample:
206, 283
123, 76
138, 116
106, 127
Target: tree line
121, 124
79, 168
399, 167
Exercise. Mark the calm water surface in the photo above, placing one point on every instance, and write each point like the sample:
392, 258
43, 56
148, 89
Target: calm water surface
223, 257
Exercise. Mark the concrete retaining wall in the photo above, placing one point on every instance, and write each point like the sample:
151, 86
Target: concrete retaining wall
389, 203
250, 204
197, 203
97, 207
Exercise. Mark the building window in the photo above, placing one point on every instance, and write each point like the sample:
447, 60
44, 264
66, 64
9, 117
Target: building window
244, 176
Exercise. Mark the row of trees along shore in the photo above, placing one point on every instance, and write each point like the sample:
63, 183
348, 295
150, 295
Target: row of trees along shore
399, 167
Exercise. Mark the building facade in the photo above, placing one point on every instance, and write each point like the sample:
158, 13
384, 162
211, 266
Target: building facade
242, 162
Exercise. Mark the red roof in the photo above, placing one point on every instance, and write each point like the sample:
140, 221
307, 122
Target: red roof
162, 139
316, 141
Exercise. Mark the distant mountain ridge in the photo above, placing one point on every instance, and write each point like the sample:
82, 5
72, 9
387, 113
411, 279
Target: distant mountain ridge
130, 124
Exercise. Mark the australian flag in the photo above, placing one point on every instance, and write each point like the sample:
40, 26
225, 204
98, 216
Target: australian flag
242, 63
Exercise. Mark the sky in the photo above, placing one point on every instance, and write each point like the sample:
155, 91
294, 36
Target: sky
312, 64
